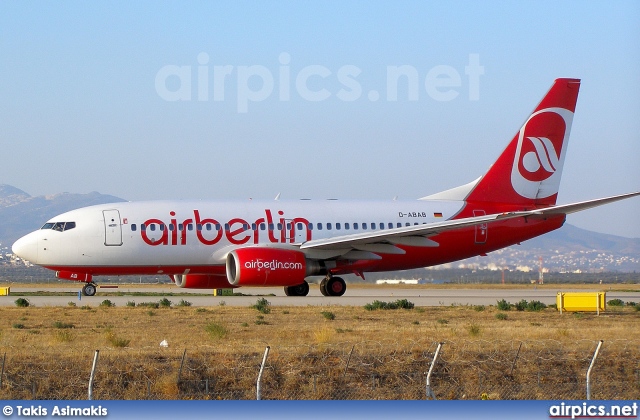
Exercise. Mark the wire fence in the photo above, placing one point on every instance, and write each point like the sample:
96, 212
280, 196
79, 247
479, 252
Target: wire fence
505, 370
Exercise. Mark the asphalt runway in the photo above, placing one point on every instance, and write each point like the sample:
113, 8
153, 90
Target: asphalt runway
355, 296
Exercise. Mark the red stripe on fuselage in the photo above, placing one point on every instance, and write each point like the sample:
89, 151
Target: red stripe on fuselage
219, 270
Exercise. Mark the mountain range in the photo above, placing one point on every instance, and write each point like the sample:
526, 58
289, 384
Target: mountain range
21, 213
567, 249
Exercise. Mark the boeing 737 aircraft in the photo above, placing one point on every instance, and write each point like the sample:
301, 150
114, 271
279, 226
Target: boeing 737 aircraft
222, 244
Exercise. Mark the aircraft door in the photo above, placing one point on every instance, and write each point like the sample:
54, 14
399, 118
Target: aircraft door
112, 228
481, 230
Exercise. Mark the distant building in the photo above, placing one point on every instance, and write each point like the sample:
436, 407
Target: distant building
405, 281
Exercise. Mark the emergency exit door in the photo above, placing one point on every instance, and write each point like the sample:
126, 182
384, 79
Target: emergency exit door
481, 230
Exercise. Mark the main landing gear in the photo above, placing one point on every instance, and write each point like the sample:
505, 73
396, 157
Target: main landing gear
329, 286
333, 286
299, 290
89, 289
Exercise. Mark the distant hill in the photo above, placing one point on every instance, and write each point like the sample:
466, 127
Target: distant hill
584, 240
21, 213
567, 249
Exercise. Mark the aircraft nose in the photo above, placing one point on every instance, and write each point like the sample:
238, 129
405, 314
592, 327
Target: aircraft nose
26, 248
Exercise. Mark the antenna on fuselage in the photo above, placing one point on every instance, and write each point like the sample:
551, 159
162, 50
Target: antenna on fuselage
277, 197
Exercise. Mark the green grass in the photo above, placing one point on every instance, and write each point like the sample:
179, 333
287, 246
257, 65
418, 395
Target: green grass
22, 302
521, 306
474, 330
216, 331
536, 305
343, 330
116, 341
398, 304
503, 305
328, 315
62, 325
262, 305
64, 336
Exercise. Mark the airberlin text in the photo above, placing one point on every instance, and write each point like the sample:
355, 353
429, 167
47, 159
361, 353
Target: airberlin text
273, 265
237, 231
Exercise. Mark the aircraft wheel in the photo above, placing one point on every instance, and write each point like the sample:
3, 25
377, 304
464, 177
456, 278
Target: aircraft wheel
323, 287
299, 290
89, 289
336, 286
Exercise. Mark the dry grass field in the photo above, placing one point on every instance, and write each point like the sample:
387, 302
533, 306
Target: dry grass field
316, 353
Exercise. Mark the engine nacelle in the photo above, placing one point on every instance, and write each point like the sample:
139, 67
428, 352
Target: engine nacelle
268, 267
201, 281
70, 275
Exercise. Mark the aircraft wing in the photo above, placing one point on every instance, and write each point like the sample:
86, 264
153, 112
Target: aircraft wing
583, 205
415, 235
384, 241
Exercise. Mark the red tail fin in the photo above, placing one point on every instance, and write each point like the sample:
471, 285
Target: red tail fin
528, 171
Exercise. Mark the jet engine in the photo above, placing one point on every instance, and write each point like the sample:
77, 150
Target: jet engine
269, 267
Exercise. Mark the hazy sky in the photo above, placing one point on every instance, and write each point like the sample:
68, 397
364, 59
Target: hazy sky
155, 100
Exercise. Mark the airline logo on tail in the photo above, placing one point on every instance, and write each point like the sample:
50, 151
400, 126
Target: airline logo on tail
540, 152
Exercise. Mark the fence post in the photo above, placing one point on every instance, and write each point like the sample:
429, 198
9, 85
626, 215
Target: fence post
516, 359
4, 358
430, 393
93, 373
259, 382
184, 354
348, 360
590, 367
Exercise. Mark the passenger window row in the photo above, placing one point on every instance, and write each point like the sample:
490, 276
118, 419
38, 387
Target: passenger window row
276, 226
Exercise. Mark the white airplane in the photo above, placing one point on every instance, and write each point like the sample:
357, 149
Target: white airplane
222, 244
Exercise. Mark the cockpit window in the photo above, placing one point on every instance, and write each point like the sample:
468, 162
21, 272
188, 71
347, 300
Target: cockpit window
59, 226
